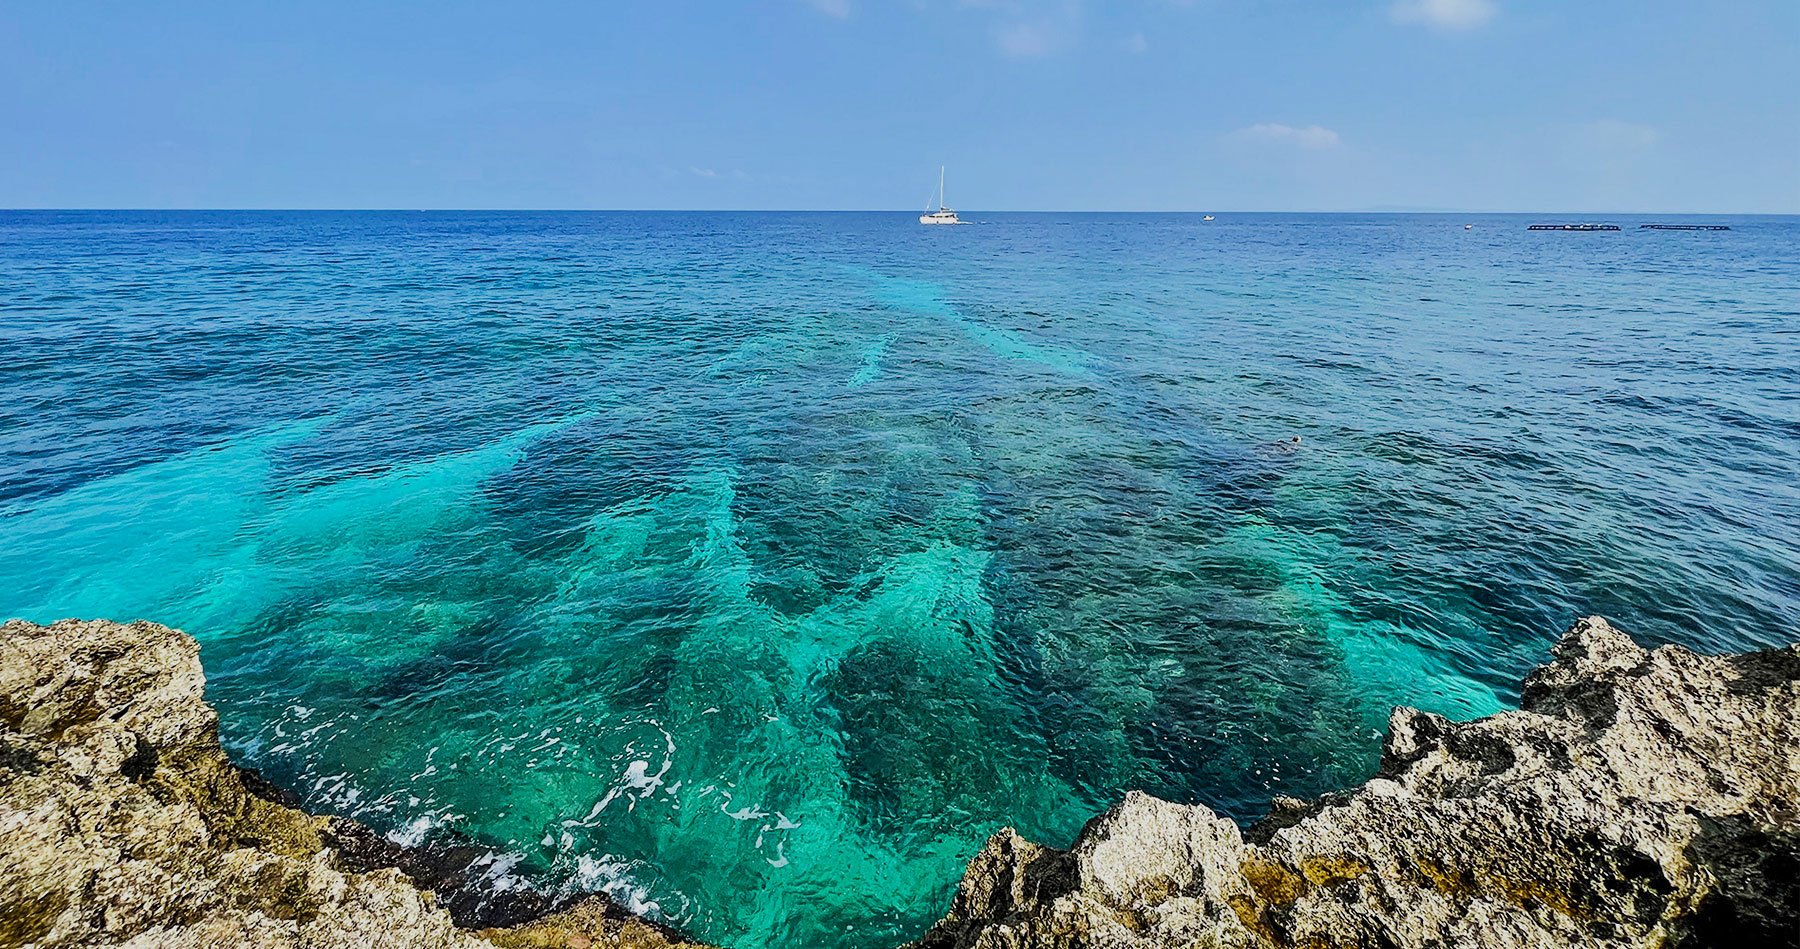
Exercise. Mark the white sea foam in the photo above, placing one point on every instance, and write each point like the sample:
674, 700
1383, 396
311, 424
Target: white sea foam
414, 832
608, 874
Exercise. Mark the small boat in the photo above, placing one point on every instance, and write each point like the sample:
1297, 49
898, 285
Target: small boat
1207, 218
943, 215
1468, 227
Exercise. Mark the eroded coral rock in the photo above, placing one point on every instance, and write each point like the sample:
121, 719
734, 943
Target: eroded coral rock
1639, 798
122, 823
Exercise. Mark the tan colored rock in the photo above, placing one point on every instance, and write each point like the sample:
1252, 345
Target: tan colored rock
122, 823
591, 924
1638, 799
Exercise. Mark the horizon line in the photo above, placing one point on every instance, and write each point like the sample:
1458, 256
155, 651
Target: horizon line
550, 210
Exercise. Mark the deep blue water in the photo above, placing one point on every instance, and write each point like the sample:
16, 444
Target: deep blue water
757, 566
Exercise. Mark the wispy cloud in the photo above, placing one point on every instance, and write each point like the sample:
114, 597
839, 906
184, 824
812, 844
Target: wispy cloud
704, 172
833, 8
1022, 29
1312, 136
1028, 39
1136, 44
1614, 133
1032, 28
1444, 14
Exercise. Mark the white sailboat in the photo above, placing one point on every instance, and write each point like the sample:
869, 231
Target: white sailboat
943, 215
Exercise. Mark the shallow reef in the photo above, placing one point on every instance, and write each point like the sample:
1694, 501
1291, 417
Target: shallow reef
1638, 798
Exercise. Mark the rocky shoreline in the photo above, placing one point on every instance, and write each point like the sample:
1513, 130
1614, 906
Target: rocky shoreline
122, 823
1638, 798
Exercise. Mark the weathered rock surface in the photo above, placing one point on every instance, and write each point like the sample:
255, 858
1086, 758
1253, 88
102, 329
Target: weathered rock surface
1638, 799
122, 823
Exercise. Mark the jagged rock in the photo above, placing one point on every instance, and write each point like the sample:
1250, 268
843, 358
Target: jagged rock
122, 823
1637, 799
591, 924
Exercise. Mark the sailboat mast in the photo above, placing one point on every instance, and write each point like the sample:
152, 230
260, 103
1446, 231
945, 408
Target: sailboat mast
941, 204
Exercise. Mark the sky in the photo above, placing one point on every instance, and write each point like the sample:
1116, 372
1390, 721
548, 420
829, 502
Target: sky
1476, 105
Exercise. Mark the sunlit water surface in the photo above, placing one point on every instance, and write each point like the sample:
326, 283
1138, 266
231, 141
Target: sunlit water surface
755, 567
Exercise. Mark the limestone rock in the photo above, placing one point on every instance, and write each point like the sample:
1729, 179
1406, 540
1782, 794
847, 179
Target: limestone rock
1638, 799
590, 924
122, 823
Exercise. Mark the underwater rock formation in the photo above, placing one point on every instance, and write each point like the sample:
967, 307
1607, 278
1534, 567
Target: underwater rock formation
122, 823
1639, 798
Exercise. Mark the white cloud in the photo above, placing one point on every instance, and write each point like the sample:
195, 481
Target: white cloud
1444, 14
1312, 136
704, 172
1136, 43
836, 8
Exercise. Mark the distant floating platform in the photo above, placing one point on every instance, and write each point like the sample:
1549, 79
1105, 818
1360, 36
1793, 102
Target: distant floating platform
1573, 227
1684, 227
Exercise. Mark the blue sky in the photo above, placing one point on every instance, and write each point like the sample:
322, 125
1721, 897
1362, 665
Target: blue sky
1528, 105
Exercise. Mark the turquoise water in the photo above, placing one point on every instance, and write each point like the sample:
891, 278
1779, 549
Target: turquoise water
755, 567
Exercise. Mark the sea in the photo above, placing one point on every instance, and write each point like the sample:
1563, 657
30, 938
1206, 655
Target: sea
753, 568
